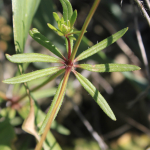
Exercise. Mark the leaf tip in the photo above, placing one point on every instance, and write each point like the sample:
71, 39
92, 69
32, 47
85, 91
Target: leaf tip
114, 118
5, 81
136, 68
7, 56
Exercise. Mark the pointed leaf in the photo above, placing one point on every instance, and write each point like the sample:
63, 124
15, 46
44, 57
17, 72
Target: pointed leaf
55, 15
37, 36
31, 76
52, 106
67, 9
56, 30
109, 67
31, 57
95, 94
73, 18
101, 45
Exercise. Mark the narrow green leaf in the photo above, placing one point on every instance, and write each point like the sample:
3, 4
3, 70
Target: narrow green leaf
56, 30
37, 36
101, 45
23, 12
55, 15
67, 9
73, 18
31, 57
52, 27
31, 76
52, 106
109, 67
95, 94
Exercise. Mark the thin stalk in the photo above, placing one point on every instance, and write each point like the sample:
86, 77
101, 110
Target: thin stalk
43, 84
139, 3
141, 45
69, 47
148, 4
90, 15
48, 125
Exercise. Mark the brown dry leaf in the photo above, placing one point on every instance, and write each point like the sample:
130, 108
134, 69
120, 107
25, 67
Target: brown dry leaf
28, 124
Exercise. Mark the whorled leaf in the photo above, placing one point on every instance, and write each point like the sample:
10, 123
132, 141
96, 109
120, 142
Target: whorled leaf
37, 36
31, 76
67, 9
51, 107
95, 94
31, 57
101, 45
109, 67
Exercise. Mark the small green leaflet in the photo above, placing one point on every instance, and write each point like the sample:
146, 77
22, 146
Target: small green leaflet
31, 76
109, 67
67, 9
37, 36
101, 45
95, 94
73, 19
31, 57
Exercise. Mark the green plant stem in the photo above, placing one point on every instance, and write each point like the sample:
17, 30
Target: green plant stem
90, 15
43, 84
48, 125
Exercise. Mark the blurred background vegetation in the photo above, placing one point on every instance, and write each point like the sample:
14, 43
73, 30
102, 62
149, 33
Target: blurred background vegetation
81, 124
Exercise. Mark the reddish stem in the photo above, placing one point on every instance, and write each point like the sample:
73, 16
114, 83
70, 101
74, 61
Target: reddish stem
69, 48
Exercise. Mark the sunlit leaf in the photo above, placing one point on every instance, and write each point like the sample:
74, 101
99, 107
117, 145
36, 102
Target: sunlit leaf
31, 57
37, 36
31, 76
95, 94
101, 45
23, 12
109, 67
67, 9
